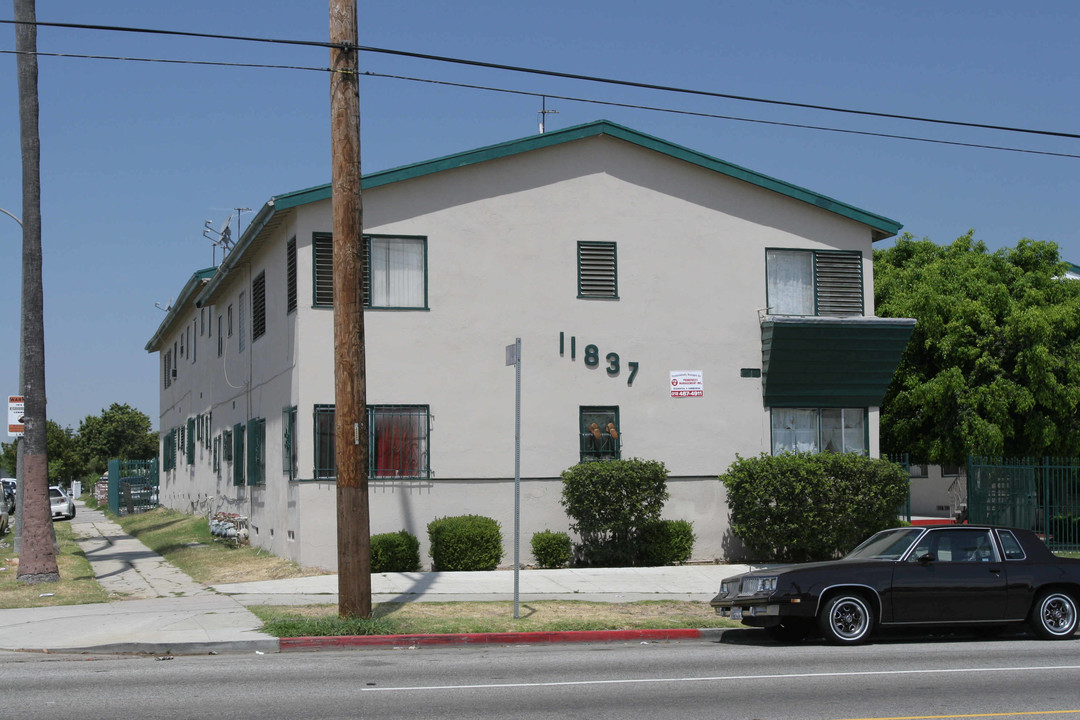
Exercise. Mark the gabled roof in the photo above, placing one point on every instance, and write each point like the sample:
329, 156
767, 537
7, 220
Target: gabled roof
883, 226
188, 294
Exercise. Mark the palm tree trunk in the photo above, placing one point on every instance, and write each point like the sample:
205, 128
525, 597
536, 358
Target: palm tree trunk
37, 560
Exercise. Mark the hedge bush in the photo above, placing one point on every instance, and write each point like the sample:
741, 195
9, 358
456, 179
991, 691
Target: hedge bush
395, 552
552, 549
610, 502
666, 542
797, 507
465, 542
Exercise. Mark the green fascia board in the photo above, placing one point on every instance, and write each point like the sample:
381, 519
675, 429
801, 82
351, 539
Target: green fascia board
830, 362
884, 226
193, 285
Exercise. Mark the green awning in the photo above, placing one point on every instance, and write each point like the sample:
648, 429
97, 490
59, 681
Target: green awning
830, 362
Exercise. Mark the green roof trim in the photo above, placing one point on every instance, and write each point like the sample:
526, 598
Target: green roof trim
191, 289
814, 362
883, 226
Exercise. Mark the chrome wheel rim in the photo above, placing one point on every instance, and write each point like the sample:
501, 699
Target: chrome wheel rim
849, 619
1058, 614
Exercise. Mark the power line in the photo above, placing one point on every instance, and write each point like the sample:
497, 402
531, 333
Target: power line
715, 116
568, 98
566, 75
167, 61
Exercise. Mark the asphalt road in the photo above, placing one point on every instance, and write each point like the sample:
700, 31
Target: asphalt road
743, 677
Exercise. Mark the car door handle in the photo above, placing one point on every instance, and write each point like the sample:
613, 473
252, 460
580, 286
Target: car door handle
995, 570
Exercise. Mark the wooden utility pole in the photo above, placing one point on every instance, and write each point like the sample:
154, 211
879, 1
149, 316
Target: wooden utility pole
354, 541
37, 559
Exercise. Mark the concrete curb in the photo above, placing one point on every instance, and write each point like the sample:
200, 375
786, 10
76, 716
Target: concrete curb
503, 638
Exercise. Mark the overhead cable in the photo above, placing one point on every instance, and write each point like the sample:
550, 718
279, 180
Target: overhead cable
565, 75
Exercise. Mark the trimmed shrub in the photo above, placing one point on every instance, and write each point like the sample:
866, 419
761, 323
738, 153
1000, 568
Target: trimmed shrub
666, 542
552, 549
609, 503
395, 552
797, 507
465, 542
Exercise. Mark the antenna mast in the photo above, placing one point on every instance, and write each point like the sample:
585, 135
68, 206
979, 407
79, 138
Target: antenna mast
544, 112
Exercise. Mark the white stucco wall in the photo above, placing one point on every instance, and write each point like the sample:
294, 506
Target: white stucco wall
502, 241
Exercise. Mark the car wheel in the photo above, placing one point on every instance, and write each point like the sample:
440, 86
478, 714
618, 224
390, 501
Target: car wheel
846, 619
72, 515
790, 631
1053, 617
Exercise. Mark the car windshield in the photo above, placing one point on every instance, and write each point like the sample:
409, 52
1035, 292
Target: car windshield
886, 545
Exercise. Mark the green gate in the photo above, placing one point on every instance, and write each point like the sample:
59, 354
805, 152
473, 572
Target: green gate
133, 486
1038, 494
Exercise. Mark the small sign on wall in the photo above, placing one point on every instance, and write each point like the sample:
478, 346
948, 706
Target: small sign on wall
687, 383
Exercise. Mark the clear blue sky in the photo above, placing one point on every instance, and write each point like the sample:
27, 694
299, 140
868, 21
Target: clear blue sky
135, 156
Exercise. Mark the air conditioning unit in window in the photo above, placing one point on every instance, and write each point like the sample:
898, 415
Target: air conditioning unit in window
173, 372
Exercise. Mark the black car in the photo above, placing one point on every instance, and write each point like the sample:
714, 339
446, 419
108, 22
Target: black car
950, 576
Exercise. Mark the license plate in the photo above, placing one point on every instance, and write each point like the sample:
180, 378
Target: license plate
736, 613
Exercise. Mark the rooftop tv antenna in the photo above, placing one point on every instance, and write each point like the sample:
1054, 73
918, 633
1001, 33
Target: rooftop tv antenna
219, 238
544, 112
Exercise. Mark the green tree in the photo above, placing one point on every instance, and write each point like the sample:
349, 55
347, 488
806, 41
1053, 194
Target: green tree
993, 366
120, 432
66, 462
7, 459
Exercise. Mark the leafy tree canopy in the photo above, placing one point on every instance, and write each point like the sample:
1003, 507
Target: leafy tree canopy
993, 366
120, 432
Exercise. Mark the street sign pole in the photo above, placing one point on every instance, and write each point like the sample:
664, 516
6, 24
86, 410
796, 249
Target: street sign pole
513, 357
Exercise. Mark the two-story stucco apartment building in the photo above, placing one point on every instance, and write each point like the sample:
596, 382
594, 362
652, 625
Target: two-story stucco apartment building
671, 306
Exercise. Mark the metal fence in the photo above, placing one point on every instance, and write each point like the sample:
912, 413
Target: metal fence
904, 461
1041, 494
133, 486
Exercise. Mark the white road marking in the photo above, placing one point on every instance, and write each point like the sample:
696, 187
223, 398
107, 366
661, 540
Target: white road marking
716, 678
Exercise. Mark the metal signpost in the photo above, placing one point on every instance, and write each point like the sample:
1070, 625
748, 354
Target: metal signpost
513, 357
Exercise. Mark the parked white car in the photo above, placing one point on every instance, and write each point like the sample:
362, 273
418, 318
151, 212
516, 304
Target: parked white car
62, 505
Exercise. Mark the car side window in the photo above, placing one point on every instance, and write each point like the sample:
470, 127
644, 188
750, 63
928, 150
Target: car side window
978, 546
1011, 546
956, 546
922, 549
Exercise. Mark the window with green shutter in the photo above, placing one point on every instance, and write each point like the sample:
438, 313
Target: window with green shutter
814, 282
290, 275
598, 275
238, 454
322, 269
395, 271
325, 451
290, 459
256, 455
168, 450
190, 446
258, 306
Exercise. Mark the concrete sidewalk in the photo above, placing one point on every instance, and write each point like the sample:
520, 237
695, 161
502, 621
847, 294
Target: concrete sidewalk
158, 609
